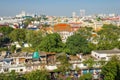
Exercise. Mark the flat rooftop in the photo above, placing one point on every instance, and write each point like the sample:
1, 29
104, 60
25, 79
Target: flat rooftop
108, 51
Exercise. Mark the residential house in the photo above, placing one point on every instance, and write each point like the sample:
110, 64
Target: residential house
105, 54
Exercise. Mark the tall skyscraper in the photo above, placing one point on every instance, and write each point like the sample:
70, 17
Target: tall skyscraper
82, 13
73, 14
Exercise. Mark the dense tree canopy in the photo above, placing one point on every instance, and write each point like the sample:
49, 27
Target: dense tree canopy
111, 70
9, 76
76, 44
87, 76
51, 43
33, 75
108, 37
33, 37
6, 30
18, 35
37, 75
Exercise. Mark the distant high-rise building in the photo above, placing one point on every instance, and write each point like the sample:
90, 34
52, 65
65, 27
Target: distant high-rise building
73, 14
82, 13
21, 14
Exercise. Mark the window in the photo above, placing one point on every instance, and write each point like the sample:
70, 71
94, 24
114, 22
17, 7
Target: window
21, 70
84, 64
6, 69
95, 55
98, 57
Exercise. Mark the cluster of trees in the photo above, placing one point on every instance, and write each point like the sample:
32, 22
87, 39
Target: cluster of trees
80, 42
111, 70
109, 37
4, 38
34, 75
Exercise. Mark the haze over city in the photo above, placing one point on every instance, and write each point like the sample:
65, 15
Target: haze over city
58, 7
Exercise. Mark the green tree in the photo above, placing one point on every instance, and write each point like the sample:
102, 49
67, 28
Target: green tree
87, 76
101, 62
111, 70
76, 44
37, 75
108, 37
90, 63
34, 37
98, 19
51, 43
27, 21
18, 35
85, 32
9, 76
5, 30
64, 63
13, 48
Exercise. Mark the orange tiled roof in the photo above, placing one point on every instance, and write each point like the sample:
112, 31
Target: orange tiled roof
62, 27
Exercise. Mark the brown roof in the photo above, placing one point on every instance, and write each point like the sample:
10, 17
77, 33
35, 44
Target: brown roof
46, 53
74, 57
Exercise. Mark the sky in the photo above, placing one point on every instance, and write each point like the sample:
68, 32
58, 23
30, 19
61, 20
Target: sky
58, 7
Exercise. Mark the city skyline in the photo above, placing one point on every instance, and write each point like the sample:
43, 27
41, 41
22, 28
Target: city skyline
59, 8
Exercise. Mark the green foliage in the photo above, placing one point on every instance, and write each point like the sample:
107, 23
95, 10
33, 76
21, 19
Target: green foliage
37, 75
108, 37
87, 76
6, 30
18, 35
68, 78
90, 62
76, 44
80, 42
9, 76
34, 75
85, 32
98, 19
111, 70
3, 49
51, 43
28, 21
34, 38
105, 26
102, 62
13, 48
28, 49
64, 63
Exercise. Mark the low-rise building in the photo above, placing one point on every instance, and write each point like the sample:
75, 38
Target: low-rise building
105, 54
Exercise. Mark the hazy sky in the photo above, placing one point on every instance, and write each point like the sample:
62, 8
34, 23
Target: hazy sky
58, 7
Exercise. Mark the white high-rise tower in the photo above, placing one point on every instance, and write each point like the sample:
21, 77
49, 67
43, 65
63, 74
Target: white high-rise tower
23, 13
82, 13
73, 14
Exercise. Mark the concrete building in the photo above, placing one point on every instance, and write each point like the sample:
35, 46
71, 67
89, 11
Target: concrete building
105, 54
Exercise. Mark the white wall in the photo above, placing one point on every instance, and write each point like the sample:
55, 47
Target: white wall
17, 69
